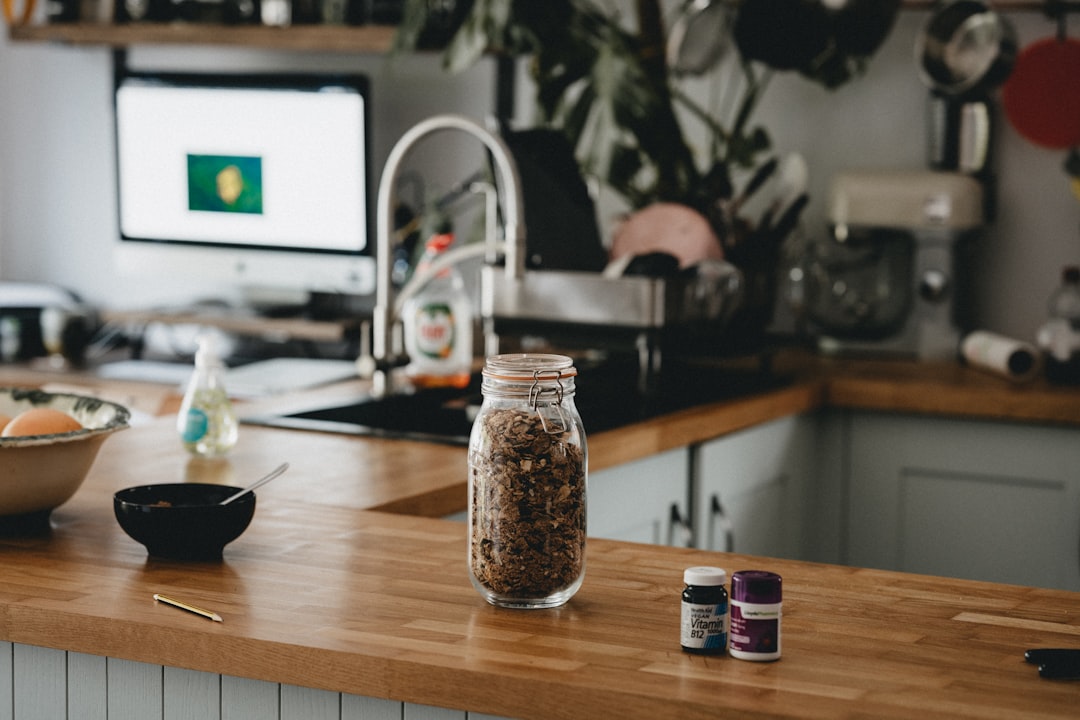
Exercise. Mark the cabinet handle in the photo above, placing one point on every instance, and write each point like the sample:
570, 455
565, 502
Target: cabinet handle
676, 523
720, 522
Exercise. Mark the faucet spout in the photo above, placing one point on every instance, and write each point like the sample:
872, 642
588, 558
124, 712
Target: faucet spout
384, 314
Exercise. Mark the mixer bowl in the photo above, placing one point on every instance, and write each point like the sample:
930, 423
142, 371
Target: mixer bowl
861, 289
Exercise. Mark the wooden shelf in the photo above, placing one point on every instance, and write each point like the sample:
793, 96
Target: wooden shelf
372, 39
327, 38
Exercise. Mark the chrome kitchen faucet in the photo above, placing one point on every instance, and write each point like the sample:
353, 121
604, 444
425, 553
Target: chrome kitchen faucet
385, 350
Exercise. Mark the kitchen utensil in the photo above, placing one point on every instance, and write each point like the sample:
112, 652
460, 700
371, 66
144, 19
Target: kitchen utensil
183, 521
258, 483
699, 37
965, 48
1042, 96
964, 51
760, 176
959, 133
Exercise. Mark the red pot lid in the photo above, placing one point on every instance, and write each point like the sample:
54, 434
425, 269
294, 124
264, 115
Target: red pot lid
1041, 96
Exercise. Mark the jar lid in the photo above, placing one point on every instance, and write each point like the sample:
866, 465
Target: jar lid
526, 366
756, 586
703, 575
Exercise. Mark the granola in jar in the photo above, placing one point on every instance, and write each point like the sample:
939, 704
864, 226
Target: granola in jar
527, 484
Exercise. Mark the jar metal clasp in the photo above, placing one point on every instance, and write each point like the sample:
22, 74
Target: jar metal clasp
538, 392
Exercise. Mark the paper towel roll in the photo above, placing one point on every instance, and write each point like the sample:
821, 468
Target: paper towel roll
1014, 359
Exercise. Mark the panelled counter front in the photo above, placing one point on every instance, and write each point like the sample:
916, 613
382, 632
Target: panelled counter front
333, 607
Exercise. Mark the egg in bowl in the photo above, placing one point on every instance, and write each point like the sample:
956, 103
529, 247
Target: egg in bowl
46, 456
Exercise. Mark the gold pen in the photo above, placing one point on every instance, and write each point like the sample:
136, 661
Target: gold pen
190, 608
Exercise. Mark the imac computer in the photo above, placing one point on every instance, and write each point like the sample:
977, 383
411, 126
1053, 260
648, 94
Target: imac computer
259, 182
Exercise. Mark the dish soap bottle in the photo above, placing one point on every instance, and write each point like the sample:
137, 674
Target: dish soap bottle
207, 422
438, 325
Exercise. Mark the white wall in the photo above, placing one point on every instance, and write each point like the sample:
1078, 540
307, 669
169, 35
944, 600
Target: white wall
57, 204
57, 167
880, 121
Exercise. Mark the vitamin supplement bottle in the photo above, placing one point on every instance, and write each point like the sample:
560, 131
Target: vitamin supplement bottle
207, 422
704, 611
438, 325
756, 610
527, 483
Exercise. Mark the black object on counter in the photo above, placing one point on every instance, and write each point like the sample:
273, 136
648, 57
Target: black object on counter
1055, 663
183, 521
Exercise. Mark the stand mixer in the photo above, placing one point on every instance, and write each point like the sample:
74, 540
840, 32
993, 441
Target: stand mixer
889, 277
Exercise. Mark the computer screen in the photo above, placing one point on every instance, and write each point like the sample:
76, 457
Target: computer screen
259, 180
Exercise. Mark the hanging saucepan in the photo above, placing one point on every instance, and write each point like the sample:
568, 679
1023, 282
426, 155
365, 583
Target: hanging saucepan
965, 49
1042, 96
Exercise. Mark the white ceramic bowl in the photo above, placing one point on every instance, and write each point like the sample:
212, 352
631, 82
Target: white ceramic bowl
40, 472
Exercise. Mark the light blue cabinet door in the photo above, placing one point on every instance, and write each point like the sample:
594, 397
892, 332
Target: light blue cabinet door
299, 703
191, 695
46, 684
643, 501
6, 671
246, 699
968, 499
135, 690
751, 486
356, 707
87, 687
40, 683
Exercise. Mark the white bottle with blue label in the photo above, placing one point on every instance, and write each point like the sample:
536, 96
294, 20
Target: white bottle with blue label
207, 422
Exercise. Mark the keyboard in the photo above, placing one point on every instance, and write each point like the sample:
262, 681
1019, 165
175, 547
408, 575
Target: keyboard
281, 375
257, 379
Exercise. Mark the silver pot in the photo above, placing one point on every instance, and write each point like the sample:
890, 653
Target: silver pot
965, 49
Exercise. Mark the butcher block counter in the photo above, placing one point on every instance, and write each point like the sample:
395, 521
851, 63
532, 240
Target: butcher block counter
324, 592
320, 593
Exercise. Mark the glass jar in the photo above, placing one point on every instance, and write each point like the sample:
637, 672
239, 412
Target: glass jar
527, 483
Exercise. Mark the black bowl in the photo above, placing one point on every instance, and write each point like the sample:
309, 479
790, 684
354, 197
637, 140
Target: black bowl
183, 521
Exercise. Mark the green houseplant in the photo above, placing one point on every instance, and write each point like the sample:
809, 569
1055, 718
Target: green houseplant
603, 77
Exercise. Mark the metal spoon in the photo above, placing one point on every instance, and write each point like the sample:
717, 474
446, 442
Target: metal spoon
257, 484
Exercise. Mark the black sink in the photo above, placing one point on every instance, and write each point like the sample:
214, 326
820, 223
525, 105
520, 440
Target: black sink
432, 415
607, 397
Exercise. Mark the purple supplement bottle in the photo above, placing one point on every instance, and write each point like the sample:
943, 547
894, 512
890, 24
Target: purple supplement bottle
756, 609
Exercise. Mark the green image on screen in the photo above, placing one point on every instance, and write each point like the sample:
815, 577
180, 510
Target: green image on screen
225, 183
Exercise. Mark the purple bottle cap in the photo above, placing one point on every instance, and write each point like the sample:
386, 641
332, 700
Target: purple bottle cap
756, 586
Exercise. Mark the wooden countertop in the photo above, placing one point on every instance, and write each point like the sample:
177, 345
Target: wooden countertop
320, 594
431, 482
